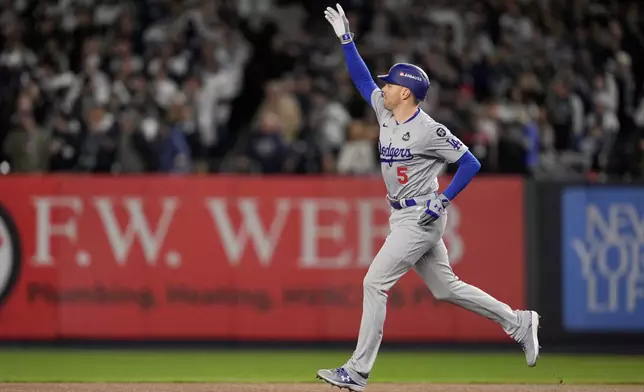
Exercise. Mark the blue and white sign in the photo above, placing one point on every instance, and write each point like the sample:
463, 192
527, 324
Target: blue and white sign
603, 259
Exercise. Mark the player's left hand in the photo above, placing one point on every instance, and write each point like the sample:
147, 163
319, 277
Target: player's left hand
433, 209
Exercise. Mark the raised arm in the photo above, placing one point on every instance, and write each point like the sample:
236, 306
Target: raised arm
358, 70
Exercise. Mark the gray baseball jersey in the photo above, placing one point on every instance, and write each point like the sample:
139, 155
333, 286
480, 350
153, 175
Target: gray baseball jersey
412, 154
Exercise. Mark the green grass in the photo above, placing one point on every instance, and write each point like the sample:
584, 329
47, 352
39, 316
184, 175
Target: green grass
300, 366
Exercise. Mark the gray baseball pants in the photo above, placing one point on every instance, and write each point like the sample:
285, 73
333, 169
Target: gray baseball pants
410, 246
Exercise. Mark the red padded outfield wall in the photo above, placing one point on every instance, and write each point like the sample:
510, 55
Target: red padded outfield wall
235, 258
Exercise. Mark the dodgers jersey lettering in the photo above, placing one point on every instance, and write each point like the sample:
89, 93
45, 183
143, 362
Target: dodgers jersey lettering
413, 154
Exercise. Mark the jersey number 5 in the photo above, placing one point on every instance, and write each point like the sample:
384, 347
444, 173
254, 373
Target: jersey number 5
402, 174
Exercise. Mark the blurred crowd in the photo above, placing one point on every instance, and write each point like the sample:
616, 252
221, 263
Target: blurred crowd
537, 87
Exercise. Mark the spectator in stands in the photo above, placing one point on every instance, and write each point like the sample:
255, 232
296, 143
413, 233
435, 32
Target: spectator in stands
98, 149
280, 100
358, 155
65, 143
564, 112
27, 147
531, 140
130, 157
175, 155
267, 150
329, 118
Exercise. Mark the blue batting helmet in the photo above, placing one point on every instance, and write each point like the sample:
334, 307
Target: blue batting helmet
410, 76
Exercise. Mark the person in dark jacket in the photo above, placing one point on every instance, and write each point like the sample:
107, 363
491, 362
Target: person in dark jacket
175, 154
174, 151
267, 150
98, 151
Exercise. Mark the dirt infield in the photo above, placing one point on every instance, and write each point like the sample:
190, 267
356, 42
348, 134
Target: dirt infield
306, 388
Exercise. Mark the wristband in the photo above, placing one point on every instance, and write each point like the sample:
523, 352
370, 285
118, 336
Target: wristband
346, 38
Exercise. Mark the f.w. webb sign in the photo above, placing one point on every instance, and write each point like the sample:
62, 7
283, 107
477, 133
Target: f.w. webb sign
234, 258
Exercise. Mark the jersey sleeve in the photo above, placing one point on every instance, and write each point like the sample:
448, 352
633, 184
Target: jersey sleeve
378, 103
358, 71
441, 143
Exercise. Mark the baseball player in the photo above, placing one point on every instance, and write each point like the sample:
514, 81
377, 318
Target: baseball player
413, 150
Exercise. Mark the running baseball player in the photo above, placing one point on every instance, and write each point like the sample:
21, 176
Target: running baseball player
413, 150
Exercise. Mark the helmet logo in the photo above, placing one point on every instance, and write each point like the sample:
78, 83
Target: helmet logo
408, 75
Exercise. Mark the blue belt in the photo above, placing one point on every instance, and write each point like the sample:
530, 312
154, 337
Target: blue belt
402, 203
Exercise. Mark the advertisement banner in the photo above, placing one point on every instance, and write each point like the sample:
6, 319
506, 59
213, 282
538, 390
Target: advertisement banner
251, 258
603, 259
